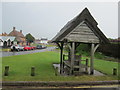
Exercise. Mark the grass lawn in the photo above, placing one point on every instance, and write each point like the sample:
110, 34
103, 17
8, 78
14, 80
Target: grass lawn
5, 49
104, 66
20, 68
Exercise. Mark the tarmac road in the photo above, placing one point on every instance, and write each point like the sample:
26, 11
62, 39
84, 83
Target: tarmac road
5, 54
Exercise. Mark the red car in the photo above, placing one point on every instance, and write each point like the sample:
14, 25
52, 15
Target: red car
33, 47
27, 48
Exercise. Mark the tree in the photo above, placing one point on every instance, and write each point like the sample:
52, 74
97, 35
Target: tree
29, 38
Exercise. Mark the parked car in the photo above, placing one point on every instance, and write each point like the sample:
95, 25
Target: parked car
17, 48
41, 46
33, 47
27, 48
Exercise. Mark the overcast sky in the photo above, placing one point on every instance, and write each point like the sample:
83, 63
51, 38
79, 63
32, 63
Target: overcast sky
46, 19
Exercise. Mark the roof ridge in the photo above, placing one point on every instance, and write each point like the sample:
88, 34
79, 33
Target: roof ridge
86, 16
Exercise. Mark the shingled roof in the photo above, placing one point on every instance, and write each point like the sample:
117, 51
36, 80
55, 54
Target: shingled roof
71, 25
15, 33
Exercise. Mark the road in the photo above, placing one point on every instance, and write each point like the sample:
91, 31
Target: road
5, 54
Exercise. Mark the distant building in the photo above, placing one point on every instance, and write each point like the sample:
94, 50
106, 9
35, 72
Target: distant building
18, 35
44, 41
37, 41
4, 34
6, 41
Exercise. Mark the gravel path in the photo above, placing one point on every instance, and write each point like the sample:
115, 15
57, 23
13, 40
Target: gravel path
5, 54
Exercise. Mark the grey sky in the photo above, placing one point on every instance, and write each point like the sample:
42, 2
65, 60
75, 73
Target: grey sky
46, 19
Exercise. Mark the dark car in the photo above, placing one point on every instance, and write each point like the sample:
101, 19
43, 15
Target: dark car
39, 47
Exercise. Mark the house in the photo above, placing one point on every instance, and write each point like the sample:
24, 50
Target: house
4, 34
18, 35
6, 41
44, 41
1, 42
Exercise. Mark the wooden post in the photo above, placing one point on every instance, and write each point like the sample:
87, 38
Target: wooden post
33, 71
61, 59
56, 71
72, 56
86, 69
93, 49
69, 53
63, 63
6, 71
114, 71
92, 60
61, 56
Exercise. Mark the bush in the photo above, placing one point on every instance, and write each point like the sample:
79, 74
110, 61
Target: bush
99, 55
111, 50
83, 49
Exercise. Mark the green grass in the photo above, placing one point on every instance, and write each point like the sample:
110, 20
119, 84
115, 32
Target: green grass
5, 50
104, 66
20, 65
20, 68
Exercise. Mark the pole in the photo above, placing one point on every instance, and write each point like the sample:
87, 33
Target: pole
92, 60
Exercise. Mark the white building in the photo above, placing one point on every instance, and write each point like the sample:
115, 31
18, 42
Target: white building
44, 41
6, 41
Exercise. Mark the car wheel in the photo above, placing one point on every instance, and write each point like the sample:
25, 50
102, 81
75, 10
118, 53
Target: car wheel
18, 50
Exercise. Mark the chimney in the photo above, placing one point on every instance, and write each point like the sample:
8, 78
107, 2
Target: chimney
13, 28
20, 31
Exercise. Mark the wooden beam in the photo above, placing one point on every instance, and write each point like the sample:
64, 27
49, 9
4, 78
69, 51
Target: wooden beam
72, 57
69, 46
93, 49
59, 45
76, 45
69, 52
92, 60
96, 47
61, 56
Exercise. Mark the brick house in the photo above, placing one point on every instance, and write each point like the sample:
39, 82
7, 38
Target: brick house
20, 38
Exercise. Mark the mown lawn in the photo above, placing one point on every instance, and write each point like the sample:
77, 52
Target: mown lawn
4, 49
20, 68
104, 66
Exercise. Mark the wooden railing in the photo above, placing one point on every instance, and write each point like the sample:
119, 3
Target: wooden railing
77, 62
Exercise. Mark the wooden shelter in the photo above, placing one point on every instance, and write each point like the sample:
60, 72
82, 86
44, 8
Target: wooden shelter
81, 29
